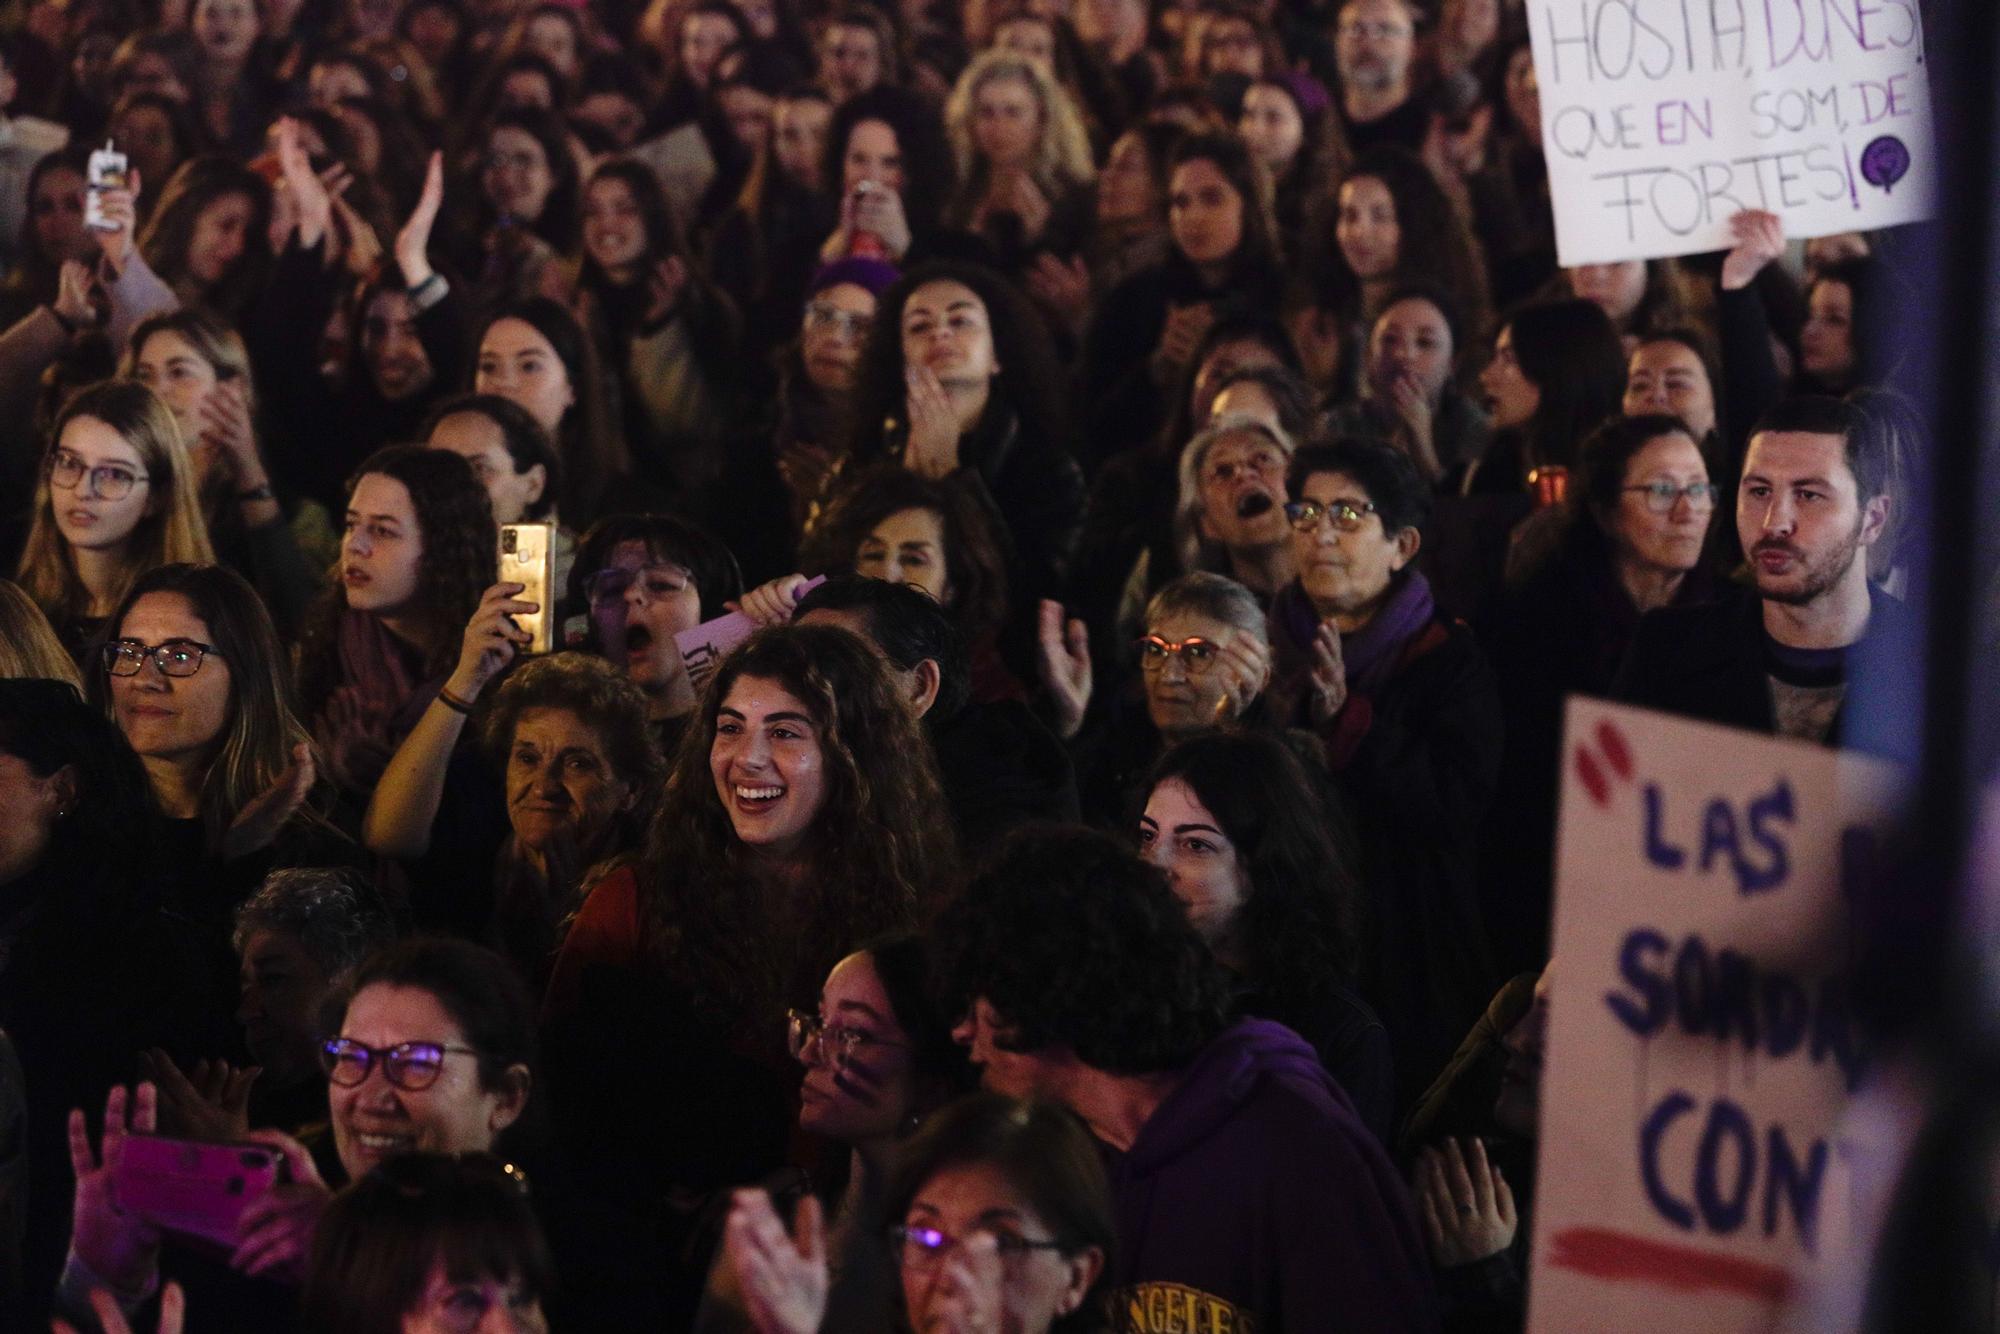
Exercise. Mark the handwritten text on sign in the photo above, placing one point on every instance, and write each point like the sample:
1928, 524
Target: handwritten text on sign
1662, 118
1702, 1040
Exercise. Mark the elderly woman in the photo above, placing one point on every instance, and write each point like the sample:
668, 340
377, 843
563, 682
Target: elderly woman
568, 734
1204, 661
1404, 703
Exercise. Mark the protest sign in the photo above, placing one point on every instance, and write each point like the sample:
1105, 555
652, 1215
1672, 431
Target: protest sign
1662, 118
1701, 1043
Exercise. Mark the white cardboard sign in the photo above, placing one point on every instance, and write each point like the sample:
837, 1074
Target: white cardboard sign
1662, 118
1702, 1046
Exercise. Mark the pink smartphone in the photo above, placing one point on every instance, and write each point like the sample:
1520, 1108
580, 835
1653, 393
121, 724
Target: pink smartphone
191, 1189
703, 648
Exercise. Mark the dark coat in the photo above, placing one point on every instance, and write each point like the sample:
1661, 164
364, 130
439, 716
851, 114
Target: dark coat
1417, 762
1708, 663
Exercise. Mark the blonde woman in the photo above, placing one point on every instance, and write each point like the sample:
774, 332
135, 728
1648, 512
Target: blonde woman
1023, 157
28, 645
201, 371
116, 497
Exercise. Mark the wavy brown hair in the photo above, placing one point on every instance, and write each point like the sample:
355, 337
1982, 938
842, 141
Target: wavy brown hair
455, 525
879, 848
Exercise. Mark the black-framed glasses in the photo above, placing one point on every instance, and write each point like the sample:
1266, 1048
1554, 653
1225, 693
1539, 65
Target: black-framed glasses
1197, 655
113, 481
176, 657
806, 1033
410, 1066
658, 581
922, 1247
1661, 497
1347, 515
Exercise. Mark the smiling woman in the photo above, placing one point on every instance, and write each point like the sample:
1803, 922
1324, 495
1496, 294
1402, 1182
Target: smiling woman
802, 816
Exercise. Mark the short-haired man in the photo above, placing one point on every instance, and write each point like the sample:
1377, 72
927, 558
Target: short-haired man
1814, 498
1249, 1195
1000, 764
1374, 42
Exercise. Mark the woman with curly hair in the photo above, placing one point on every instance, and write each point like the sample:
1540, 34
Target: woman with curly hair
1024, 158
418, 551
891, 171
1390, 223
1271, 880
957, 385
209, 236
801, 818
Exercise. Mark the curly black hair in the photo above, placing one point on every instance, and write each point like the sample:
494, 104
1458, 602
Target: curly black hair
1077, 943
1299, 923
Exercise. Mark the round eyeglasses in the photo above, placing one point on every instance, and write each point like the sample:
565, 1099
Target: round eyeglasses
410, 1066
176, 657
807, 1037
1661, 497
1197, 655
1347, 516
851, 325
112, 481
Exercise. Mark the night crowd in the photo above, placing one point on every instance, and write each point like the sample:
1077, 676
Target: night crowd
1174, 487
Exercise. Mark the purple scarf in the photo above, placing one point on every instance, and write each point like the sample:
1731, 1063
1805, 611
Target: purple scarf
1372, 652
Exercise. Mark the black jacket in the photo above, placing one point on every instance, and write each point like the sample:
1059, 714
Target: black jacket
1708, 663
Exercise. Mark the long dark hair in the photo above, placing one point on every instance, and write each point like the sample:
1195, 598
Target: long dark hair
1300, 925
972, 556
1257, 252
1045, 1155
1434, 245
264, 726
455, 525
878, 848
37, 275
200, 182
1028, 381
928, 174
593, 450
1570, 351
557, 223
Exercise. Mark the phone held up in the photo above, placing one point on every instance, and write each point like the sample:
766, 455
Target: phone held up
106, 170
527, 558
193, 1190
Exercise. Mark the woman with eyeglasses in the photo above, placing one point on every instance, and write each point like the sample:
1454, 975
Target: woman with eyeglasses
878, 1059
642, 579
116, 497
433, 1052
1634, 538
774, 493
1403, 704
1003, 1221
193, 673
801, 818
1204, 662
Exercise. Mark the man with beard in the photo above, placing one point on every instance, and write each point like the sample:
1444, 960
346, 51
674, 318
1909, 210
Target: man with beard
1814, 496
1373, 43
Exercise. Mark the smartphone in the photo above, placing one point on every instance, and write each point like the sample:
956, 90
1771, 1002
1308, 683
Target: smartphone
527, 558
106, 170
193, 1190
703, 648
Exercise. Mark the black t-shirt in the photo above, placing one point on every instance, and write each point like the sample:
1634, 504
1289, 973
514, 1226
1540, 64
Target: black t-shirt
1406, 126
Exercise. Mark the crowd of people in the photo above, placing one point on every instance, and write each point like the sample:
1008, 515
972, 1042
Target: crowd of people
1171, 486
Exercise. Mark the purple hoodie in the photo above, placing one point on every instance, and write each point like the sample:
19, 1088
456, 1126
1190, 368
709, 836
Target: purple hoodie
1255, 1201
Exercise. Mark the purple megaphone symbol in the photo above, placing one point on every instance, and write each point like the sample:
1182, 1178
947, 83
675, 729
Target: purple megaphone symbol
1884, 162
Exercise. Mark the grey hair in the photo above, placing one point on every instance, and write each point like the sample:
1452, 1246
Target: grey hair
1212, 595
337, 918
1187, 508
